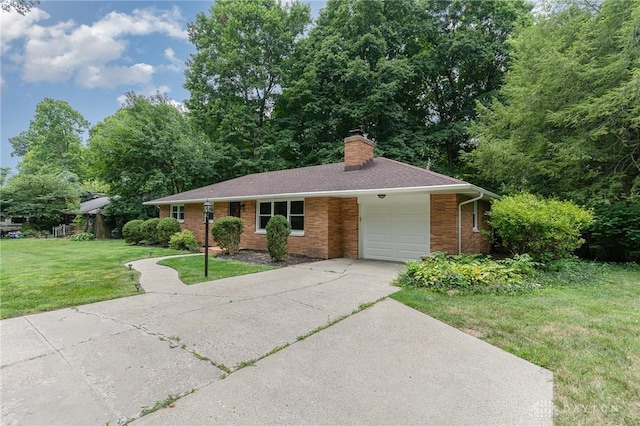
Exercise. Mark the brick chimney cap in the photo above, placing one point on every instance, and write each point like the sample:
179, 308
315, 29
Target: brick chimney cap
358, 131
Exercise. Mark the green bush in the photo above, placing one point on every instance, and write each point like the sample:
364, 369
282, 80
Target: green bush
184, 240
83, 236
149, 230
278, 230
545, 229
131, 231
615, 232
226, 232
166, 228
471, 274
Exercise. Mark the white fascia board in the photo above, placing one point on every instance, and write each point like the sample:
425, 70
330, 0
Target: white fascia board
455, 188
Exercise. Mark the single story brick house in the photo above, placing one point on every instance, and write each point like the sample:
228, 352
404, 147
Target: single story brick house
365, 207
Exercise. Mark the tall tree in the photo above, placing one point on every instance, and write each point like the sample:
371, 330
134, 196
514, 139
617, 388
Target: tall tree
235, 75
53, 141
569, 125
149, 149
409, 72
41, 199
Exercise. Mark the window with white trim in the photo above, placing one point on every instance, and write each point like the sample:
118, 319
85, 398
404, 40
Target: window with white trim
293, 210
475, 217
177, 212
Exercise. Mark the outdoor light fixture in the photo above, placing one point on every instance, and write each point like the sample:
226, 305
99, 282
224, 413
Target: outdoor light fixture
381, 196
138, 286
207, 217
130, 266
242, 206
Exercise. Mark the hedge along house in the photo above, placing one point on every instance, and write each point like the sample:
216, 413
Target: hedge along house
365, 207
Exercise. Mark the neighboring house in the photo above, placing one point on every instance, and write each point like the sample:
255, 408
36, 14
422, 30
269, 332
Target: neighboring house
366, 207
91, 211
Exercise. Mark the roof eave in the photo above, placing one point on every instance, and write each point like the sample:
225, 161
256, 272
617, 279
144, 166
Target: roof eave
435, 189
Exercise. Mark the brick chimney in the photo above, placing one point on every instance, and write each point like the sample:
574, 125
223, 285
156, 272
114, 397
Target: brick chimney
358, 150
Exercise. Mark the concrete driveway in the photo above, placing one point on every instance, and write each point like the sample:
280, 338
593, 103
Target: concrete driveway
257, 349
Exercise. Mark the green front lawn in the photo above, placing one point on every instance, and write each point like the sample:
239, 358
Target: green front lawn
39, 275
588, 335
191, 268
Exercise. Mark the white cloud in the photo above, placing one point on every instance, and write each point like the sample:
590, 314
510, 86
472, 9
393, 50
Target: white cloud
175, 64
89, 54
112, 77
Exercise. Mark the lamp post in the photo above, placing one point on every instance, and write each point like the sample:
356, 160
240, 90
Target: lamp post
207, 216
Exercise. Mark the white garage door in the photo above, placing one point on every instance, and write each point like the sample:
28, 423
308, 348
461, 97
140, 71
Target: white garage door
395, 231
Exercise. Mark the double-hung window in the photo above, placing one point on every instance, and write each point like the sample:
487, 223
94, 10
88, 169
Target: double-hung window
177, 212
293, 210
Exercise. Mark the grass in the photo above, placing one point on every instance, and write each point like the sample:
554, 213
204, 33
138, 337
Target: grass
588, 335
191, 268
40, 275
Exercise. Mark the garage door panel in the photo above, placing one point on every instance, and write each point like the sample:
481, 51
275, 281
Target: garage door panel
416, 239
395, 232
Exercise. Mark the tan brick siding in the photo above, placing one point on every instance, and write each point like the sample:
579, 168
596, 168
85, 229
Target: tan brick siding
349, 227
331, 227
444, 225
474, 242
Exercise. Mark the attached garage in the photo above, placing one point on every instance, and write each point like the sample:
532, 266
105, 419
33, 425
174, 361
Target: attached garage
394, 229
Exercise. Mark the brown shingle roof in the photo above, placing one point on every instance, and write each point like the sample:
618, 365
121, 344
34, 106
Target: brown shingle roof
381, 173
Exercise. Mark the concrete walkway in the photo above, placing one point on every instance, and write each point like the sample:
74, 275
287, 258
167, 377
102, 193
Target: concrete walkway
387, 364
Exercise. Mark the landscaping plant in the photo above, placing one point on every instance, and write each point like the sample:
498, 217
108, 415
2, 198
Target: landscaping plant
83, 236
226, 232
615, 232
165, 230
184, 240
278, 230
149, 230
471, 274
131, 231
545, 229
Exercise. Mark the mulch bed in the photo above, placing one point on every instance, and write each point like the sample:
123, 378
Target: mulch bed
263, 258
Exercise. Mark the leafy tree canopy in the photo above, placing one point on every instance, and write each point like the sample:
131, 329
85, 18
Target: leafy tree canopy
569, 121
409, 72
149, 149
41, 199
236, 75
53, 141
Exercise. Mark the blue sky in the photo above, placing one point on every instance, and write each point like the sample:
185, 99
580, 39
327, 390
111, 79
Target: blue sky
89, 53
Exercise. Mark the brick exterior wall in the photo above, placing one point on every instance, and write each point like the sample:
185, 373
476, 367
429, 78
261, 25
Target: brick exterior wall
444, 225
357, 151
474, 242
331, 227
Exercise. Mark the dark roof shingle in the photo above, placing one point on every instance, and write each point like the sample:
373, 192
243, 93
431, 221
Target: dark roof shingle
381, 173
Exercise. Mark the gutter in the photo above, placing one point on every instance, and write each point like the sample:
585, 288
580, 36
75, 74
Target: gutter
339, 193
479, 197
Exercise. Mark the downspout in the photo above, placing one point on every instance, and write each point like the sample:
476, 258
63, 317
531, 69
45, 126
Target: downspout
460, 219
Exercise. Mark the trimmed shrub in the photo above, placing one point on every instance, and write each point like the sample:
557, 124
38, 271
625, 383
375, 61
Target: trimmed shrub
545, 229
166, 228
83, 236
278, 230
131, 231
615, 232
226, 232
149, 230
184, 240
